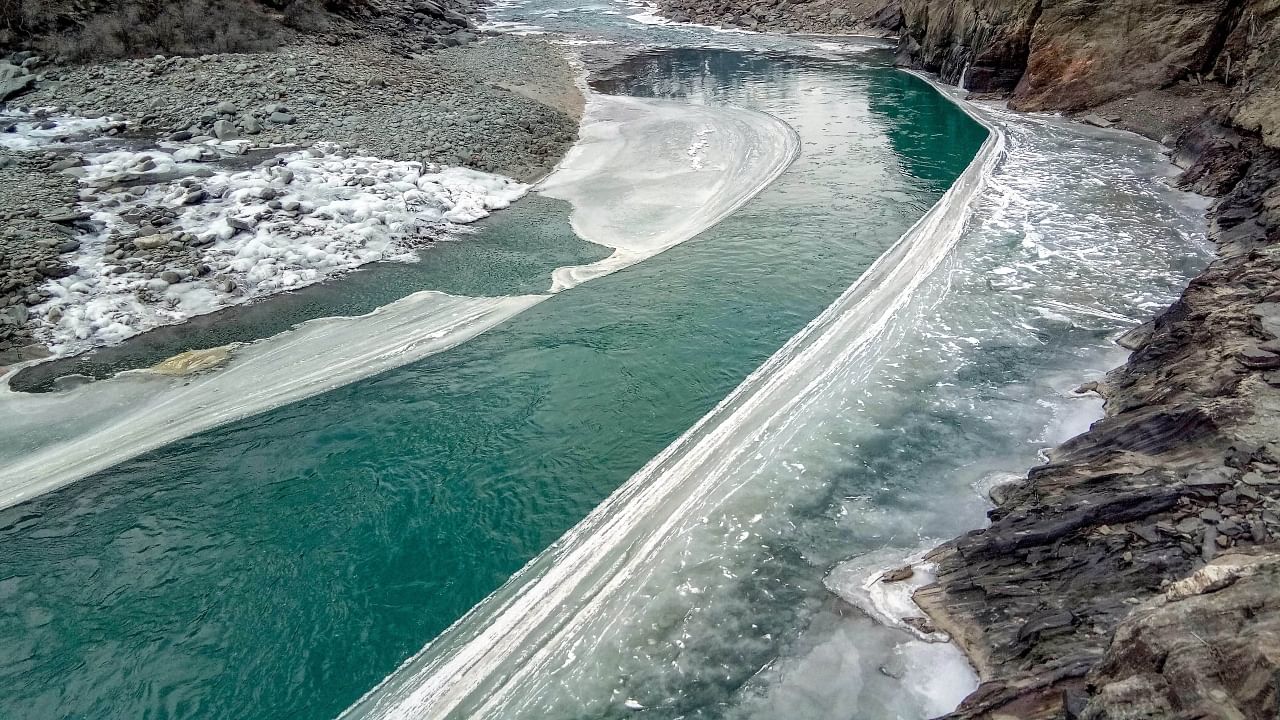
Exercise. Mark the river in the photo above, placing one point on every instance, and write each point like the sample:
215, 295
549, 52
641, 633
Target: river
699, 457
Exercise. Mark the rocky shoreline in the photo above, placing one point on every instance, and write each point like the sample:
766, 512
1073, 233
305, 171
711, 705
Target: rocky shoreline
498, 104
825, 17
1133, 575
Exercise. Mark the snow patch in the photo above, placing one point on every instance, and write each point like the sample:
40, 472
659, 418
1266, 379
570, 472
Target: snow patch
236, 236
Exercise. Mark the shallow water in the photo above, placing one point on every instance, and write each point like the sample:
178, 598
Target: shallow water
284, 564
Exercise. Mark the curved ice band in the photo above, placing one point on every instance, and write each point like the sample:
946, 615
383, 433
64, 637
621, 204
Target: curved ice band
556, 601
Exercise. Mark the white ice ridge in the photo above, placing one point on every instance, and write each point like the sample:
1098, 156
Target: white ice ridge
99, 424
563, 601
639, 185
860, 582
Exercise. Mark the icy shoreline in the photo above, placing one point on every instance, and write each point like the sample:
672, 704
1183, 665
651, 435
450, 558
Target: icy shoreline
175, 233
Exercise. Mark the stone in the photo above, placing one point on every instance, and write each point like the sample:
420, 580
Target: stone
1265, 319
54, 269
170, 277
281, 118
225, 108
225, 130
151, 242
920, 624
1188, 526
14, 87
902, 573
251, 124
1256, 358
240, 223
192, 153
68, 217
66, 164
1256, 478
14, 315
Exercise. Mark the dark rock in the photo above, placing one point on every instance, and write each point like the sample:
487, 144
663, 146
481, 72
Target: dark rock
13, 87
902, 573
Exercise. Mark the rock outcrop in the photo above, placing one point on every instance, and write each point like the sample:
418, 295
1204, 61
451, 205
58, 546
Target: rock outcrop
1077, 54
1098, 592
1209, 646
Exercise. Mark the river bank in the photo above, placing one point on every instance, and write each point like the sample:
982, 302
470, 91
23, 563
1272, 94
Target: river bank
1050, 686
110, 172
1122, 578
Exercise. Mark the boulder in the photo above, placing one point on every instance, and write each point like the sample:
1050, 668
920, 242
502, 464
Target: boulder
225, 130
14, 87
151, 242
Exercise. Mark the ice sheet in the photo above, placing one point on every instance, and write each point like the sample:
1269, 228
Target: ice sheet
51, 439
647, 175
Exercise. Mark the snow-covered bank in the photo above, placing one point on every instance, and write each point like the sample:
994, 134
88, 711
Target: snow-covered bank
647, 174
178, 236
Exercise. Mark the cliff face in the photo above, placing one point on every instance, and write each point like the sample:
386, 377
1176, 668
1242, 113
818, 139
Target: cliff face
1077, 54
866, 17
